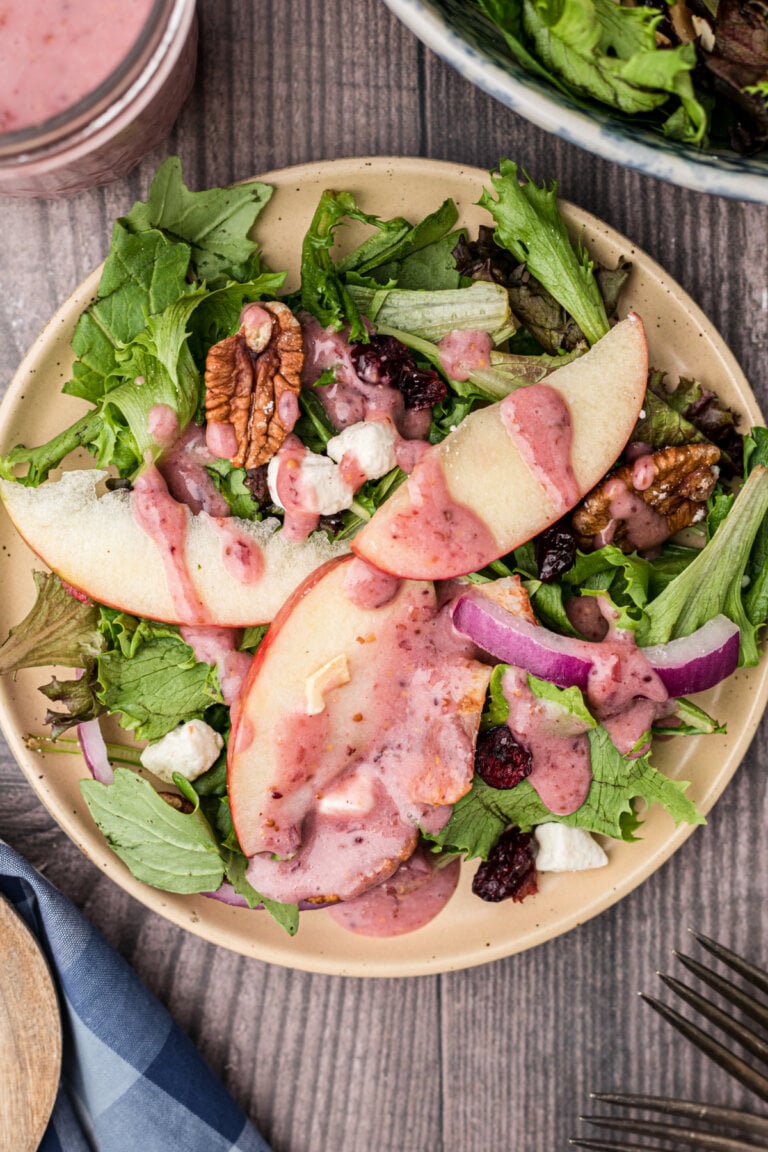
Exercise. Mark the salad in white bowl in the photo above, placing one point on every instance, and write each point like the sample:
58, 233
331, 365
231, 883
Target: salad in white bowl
386, 572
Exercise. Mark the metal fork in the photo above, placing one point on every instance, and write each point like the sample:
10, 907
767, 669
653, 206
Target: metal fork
741, 1131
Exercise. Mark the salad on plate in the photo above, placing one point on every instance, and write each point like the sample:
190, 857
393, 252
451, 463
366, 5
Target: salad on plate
411, 564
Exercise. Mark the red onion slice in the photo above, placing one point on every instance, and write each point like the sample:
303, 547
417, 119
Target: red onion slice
95, 751
227, 895
690, 664
699, 661
559, 659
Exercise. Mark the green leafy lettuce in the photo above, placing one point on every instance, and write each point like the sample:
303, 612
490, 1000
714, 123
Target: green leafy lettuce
481, 816
713, 581
169, 288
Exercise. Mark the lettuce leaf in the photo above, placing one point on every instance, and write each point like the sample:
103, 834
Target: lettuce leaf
529, 224
58, 629
161, 846
214, 224
712, 582
156, 687
158, 253
481, 816
324, 291
608, 52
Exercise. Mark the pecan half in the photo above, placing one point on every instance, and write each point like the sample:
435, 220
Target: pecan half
252, 380
640, 505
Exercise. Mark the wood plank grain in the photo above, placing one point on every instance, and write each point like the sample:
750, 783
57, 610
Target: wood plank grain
30, 1036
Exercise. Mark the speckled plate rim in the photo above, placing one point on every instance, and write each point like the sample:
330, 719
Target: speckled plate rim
717, 173
468, 932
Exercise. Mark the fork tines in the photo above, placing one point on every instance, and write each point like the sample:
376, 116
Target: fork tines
701, 1126
685, 1136
741, 999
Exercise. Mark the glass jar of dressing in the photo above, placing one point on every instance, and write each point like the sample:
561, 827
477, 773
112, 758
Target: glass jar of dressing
88, 87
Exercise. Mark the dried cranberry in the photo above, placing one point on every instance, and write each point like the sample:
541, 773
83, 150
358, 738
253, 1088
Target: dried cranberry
510, 870
421, 388
555, 551
332, 524
381, 360
256, 483
499, 760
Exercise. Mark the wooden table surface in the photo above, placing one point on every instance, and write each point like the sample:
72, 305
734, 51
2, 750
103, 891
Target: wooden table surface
501, 1056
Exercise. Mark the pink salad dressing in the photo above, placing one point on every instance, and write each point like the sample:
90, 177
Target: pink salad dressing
644, 527
221, 439
538, 421
409, 899
643, 472
341, 856
559, 748
183, 469
367, 587
241, 555
349, 399
462, 351
451, 534
623, 692
297, 497
408, 453
162, 422
165, 521
55, 52
357, 780
219, 647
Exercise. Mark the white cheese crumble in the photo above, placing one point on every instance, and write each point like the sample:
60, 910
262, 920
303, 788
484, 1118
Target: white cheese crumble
566, 849
371, 442
190, 750
320, 483
352, 797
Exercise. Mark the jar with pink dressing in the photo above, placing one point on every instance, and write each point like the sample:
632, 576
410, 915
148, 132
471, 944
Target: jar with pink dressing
88, 87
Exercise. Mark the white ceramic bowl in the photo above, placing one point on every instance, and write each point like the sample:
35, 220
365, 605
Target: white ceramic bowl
463, 38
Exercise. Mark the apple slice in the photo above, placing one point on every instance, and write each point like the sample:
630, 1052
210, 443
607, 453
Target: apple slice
226, 572
508, 470
391, 747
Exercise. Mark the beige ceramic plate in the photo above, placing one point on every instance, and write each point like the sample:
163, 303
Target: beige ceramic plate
469, 931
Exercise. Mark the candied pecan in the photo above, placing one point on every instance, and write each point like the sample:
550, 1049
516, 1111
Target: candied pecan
252, 380
510, 870
640, 505
180, 803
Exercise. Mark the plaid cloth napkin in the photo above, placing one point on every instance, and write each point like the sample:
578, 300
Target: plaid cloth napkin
131, 1079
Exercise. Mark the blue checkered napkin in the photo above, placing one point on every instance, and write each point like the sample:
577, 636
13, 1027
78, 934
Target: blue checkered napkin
131, 1079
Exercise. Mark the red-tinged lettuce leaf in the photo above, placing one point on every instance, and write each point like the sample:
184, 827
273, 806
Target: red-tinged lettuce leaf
60, 628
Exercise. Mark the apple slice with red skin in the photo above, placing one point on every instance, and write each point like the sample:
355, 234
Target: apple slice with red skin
240, 571
477, 495
395, 738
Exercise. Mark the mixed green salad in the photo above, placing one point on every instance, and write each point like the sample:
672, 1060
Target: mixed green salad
181, 268
696, 70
